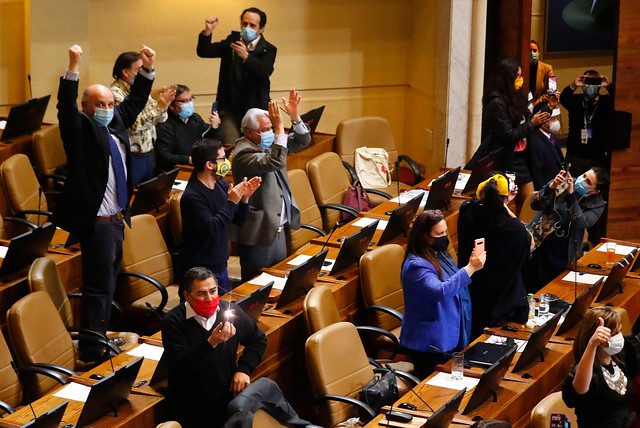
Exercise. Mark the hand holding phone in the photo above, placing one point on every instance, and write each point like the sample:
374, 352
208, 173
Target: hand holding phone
553, 84
214, 107
478, 246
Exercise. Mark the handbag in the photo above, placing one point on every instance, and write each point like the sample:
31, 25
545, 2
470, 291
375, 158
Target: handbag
382, 390
372, 167
355, 197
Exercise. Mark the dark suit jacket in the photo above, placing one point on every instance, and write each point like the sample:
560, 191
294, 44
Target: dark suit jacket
544, 158
87, 147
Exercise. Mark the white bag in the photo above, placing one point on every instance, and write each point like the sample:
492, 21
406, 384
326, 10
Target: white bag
372, 167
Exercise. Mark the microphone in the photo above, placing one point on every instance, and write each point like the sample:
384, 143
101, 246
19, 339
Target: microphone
153, 310
108, 350
421, 399
30, 89
24, 391
446, 152
467, 364
329, 237
398, 181
39, 202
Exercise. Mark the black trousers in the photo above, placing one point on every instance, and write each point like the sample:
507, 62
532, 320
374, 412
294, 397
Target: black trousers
253, 258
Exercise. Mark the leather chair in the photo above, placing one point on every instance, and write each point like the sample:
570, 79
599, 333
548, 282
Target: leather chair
526, 212
43, 276
10, 390
169, 424
146, 267
452, 231
48, 151
310, 216
373, 131
330, 181
22, 189
552, 403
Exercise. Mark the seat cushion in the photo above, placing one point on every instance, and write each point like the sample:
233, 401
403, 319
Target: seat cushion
130, 339
155, 298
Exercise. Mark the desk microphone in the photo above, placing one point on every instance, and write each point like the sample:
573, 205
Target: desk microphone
329, 237
467, 364
421, 399
398, 181
446, 153
108, 350
30, 89
39, 199
24, 391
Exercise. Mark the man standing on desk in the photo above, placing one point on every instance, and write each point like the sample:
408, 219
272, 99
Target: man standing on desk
95, 199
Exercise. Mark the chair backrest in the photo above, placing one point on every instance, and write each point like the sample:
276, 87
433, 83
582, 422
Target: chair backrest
38, 335
175, 218
626, 321
309, 212
21, 186
48, 150
329, 180
10, 390
337, 364
526, 212
319, 308
262, 419
380, 271
143, 251
552, 403
371, 131
43, 276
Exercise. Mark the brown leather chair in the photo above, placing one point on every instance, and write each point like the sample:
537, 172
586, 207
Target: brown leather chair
10, 390
48, 150
22, 189
169, 424
146, 268
373, 131
329, 181
310, 216
43, 276
552, 403
526, 212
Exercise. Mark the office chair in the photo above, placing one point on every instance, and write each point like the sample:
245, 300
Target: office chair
552, 403
22, 189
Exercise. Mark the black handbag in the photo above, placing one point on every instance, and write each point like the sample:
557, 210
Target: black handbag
382, 390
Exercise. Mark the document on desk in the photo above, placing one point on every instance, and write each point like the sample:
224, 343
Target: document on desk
503, 341
179, 185
445, 380
3, 251
296, 261
622, 250
582, 277
265, 278
366, 221
410, 194
147, 351
3, 123
463, 177
74, 391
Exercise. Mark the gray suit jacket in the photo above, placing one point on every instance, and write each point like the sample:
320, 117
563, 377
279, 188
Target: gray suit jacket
265, 204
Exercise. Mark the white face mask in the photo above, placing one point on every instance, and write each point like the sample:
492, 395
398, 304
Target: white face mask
554, 127
616, 343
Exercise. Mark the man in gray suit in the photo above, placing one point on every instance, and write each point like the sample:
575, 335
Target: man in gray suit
263, 152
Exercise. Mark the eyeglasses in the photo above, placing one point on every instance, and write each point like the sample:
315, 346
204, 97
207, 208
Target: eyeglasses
180, 102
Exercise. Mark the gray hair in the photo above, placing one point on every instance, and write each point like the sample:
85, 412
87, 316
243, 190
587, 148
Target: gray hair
250, 119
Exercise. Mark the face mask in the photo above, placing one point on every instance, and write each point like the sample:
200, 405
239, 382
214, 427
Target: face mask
533, 57
103, 116
223, 167
616, 343
590, 91
187, 110
518, 83
266, 139
554, 126
580, 186
249, 34
206, 308
440, 244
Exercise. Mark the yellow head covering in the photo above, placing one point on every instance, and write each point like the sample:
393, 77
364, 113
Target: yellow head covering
502, 182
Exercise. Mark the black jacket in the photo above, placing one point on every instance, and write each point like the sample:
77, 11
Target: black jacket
544, 158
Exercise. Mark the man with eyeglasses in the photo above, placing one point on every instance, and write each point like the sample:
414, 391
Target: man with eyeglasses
201, 338
209, 206
182, 129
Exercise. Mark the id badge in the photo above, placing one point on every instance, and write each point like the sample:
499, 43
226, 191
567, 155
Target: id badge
585, 134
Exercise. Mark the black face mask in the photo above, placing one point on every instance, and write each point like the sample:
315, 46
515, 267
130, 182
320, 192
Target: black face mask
441, 243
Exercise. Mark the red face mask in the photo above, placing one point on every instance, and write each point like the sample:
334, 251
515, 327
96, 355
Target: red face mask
206, 308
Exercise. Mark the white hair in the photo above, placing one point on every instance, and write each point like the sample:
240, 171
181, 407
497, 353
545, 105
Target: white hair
250, 119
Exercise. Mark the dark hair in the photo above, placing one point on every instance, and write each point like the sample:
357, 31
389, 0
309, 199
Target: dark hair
501, 82
491, 423
124, 62
203, 150
492, 202
591, 72
263, 16
588, 326
197, 273
180, 89
602, 178
417, 243
535, 43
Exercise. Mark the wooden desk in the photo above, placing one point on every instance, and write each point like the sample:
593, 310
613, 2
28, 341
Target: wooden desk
600, 257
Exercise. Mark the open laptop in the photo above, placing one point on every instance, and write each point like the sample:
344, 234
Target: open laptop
311, 118
25, 248
400, 220
301, 279
537, 342
109, 393
490, 382
579, 308
443, 417
482, 170
161, 371
616, 277
25, 118
353, 247
152, 194
441, 190
49, 419
253, 304
485, 354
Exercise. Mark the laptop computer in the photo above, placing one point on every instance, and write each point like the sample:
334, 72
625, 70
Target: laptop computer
400, 220
579, 307
353, 247
161, 371
443, 417
109, 393
301, 279
482, 170
153, 193
311, 118
441, 190
25, 248
616, 277
49, 419
490, 382
537, 342
25, 118
253, 304
485, 354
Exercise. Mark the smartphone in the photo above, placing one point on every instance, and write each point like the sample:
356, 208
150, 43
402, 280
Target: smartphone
593, 81
553, 84
214, 106
511, 176
235, 36
478, 246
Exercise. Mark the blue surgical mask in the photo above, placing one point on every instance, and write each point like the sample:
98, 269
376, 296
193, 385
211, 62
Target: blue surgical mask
249, 34
590, 91
187, 110
533, 57
580, 186
266, 139
103, 115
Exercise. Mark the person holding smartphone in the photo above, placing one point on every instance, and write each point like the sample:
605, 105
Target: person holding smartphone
539, 75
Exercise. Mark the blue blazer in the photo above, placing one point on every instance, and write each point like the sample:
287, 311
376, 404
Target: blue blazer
435, 310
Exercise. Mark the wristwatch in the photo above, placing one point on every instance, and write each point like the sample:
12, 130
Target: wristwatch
147, 70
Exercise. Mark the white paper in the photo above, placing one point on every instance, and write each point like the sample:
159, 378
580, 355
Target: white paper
3, 251
582, 277
366, 221
179, 185
463, 177
3, 123
408, 195
296, 261
74, 391
538, 321
503, 341
445, 380
622, 250
265, 278
145, 350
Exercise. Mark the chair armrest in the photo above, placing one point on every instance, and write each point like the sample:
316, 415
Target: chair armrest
54, 177
387, 310
61, 378
381, 332
375, 363
21, 221
352, 171
417, 175
7, 408
90, 337
352, 401
82, 330
41, 212
116, 309
399, 373
340, 207
155, 283
313, 229
54, 367
379, 193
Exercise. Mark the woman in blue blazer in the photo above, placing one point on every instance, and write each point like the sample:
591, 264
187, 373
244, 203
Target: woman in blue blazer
437, 304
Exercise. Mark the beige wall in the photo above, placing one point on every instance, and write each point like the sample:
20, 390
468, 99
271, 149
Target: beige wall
13, 71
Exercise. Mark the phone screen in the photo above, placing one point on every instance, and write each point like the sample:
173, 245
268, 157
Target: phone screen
235, 35
553, 84
511, 176
214, 106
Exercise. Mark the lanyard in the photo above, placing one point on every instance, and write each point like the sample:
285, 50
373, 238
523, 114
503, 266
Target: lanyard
587, 120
